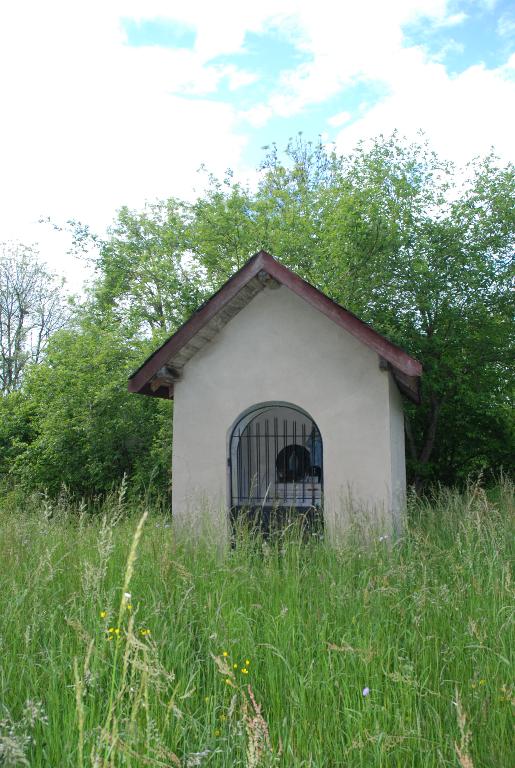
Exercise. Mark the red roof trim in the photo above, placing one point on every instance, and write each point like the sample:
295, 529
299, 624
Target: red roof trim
192, 326
341, 316
400, 359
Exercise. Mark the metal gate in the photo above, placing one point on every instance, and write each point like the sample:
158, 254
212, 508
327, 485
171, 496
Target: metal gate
276, 461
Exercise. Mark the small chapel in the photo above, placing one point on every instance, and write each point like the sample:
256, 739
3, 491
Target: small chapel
283, 399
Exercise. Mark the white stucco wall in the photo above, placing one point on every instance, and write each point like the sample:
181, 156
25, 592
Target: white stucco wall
397, 457
279, 348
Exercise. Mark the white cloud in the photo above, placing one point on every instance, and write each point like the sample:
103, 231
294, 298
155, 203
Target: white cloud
488, 5
337, 120
91, 123
344, 43
238, 78
463, 115
451, 21
451, 46
221, 26
257, 116
506, 25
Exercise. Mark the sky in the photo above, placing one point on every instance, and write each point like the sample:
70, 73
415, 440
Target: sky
118, 102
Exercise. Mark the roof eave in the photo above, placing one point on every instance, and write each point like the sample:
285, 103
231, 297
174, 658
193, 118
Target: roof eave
407, 370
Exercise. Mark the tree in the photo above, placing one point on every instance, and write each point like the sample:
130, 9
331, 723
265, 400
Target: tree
146, 282
75, 423
31, 309
285, 215
420, 249
425, 257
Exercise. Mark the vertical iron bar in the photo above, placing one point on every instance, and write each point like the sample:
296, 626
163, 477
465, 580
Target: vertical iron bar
230, 472
267, 458
249, 447
321, 458
312, 453
295, 455
238, 464
303, 459
258, 461
276, 449
285, 427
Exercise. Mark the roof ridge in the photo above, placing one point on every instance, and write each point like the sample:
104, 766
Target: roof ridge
408, 367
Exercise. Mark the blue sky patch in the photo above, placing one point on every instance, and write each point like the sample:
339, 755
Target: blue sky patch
483, 37
158, 32
355, 99
266, 55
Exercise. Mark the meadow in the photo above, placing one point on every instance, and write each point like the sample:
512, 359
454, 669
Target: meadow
121, 645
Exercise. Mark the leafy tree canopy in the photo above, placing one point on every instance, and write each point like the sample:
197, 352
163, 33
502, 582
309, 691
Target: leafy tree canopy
417, 247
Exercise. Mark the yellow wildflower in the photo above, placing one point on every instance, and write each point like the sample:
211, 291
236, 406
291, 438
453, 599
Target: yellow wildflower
103, 614
225, 654
244, 671
247, 662
235, 666
129, 607
227, 681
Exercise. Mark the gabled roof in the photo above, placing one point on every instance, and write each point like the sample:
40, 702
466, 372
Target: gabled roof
158, 373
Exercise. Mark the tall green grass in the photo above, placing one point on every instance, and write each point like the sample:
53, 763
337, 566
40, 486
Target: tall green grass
373, 654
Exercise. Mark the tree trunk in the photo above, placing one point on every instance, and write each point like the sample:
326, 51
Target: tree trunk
410, 439
429, 442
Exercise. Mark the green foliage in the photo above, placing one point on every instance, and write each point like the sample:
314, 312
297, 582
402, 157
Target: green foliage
412, 245
426, 262
222, 231
17, 428
146, 284
418, 248
423, 624
86, 431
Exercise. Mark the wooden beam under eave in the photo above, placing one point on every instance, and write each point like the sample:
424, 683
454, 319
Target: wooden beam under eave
162, 389
408, 385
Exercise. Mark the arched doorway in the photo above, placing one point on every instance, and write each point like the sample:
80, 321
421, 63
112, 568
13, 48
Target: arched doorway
276, 461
